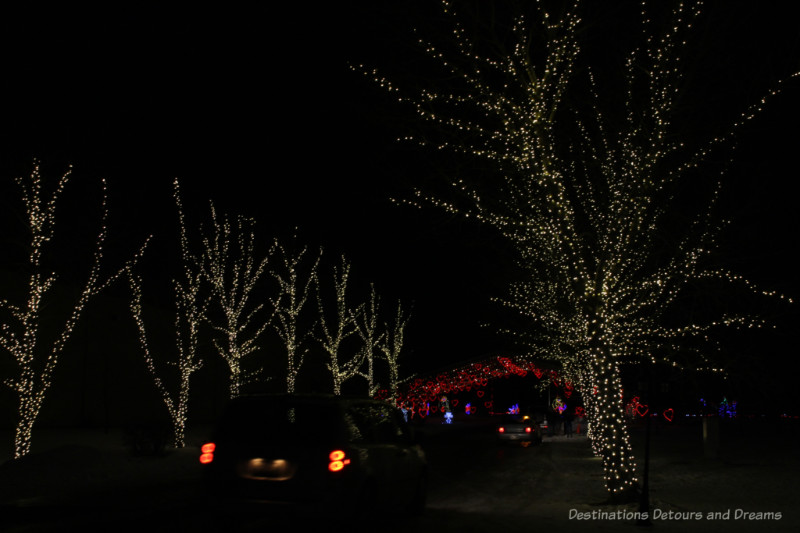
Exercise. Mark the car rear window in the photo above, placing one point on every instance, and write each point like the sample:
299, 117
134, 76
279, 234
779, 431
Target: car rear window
515, 419
280, 421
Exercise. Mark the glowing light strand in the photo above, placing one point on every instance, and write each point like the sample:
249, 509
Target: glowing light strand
190, 310
587, 219
233, 274
294, 286
35, 359
392, 346
333, 334
366, 324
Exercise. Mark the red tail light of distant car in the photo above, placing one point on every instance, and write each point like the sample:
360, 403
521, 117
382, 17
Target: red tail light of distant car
207, 452
338, 460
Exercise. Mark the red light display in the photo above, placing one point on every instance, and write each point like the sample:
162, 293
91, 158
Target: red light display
418, 393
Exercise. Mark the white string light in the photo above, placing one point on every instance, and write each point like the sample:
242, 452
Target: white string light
35, 357
233, 274
332, 335
584, 203
190, 308
294, 285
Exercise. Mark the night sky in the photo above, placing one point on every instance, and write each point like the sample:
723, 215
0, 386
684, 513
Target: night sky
256, 109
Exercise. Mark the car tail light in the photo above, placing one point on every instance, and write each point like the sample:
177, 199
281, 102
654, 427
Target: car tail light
207, 452
528, 430
338, 460
501, 430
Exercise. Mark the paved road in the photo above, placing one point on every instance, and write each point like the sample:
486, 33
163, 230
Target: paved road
473, 480
476, 485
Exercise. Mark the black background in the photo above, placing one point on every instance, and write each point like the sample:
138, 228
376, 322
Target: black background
256, 109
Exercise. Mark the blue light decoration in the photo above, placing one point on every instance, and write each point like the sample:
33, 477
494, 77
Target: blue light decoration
468, 409
727, 409
448, 417
559, 406
514, 409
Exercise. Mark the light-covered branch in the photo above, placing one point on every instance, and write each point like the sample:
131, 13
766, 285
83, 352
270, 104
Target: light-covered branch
334, 332
232, 270
392, 346
190, 308
295, 280
21, 336
584, 196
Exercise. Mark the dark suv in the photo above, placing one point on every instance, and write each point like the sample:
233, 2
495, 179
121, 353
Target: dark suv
341, 455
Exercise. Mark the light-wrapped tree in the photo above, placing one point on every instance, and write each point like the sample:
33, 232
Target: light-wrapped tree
35, 355
333, 332
392, 346
366, 324
190, 307
232, 270
294, 284
584, 196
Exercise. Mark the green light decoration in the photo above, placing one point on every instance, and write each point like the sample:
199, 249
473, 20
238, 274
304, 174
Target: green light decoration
583, 197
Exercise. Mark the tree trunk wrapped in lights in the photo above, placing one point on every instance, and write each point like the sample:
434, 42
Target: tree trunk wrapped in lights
366, 324
232, 275
334, 334
583, 199
22, 338
190, 309
392, 347
293, 287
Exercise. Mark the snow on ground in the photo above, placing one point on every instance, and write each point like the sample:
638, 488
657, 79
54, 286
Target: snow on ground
755, 471
475, 485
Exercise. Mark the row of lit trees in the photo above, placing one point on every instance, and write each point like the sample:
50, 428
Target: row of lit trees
213, 291
583, 195
217, 291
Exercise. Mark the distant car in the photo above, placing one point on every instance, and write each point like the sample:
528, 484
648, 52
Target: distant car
342, 456
519, 428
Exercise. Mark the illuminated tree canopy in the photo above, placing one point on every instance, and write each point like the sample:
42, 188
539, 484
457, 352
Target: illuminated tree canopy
585, 191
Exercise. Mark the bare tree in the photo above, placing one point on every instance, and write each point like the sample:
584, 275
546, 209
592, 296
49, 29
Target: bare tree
294, 286
232, 269
392, 346
35, 356
190, 307
333, 333
366, 324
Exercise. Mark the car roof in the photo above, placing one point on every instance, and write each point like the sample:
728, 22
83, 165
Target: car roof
307, 398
